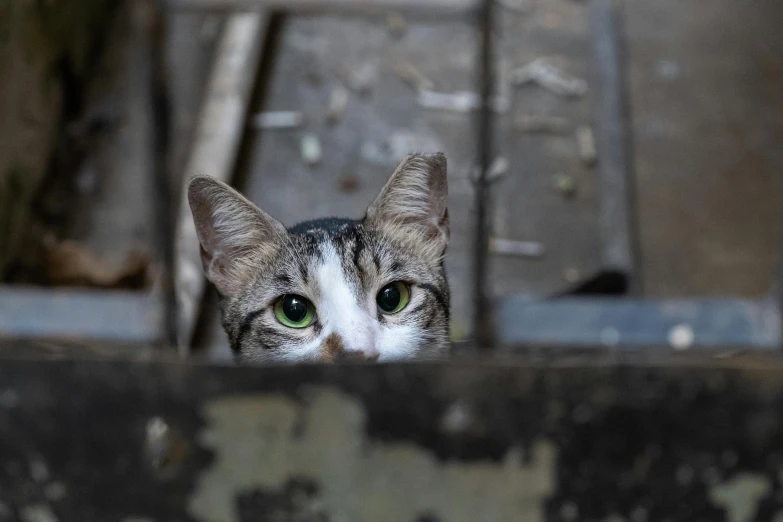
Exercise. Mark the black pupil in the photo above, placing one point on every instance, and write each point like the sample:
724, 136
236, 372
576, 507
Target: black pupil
389, 298
294, 308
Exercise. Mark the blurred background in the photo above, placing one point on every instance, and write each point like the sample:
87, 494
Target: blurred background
654, 128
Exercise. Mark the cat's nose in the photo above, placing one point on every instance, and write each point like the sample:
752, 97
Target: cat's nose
335, 348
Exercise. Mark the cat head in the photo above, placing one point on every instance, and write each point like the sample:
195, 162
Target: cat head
332, 289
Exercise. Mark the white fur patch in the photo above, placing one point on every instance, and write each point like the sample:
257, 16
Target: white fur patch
354, 320
339, 310
399, 342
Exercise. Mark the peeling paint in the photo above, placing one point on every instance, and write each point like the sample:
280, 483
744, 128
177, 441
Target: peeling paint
639, 514
262, 441
55, 491
740, 496
37, 513
38, 470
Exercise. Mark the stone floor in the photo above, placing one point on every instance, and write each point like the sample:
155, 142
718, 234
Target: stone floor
708, 121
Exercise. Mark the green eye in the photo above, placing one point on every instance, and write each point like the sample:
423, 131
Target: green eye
294, 311
393, 297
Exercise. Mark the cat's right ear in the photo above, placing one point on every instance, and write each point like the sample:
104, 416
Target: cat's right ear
234, 234
412, 206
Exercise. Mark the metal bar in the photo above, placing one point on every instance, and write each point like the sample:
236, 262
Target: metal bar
486, 153
614, 142
164, 197
215, 149
681, 324
38, 313
357, 6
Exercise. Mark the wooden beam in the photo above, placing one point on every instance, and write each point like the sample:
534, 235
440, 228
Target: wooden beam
357, 6
214, 149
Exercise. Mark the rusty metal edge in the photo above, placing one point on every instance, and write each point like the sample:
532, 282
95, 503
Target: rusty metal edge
635, 323
101, 315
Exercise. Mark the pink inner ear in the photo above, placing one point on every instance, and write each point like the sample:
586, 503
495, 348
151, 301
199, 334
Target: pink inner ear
218, 271
220, 266
443, 223
206, 258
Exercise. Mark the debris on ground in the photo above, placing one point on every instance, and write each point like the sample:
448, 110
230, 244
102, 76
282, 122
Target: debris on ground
534, 124
360, 79
572, 275
271, 120
681, 337
497, 169
348, 183
544, 73
586, 143
338, 101
69, 263
565, 184
386, 152
513, 247
517, 6
396, 25
310, 149
460, 101
412, 76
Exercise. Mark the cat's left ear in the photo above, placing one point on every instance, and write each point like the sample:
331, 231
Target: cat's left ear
413, 203
234, 234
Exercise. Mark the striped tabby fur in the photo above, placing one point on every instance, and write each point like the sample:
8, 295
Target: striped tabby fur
339, 265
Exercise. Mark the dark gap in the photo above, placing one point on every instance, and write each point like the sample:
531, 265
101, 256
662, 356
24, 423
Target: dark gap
165, 194
485, 138
606, 283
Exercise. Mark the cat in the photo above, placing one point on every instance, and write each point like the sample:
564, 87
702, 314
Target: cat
372, 289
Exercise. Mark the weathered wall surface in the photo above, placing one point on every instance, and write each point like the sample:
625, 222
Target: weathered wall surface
44, 48
399, 443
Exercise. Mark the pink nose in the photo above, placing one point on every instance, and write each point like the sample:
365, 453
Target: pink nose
333, 349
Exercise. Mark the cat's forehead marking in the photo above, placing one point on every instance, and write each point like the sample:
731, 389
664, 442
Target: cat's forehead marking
341, 305
336, 281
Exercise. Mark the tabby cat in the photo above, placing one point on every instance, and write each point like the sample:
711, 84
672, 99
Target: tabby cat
332, 289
